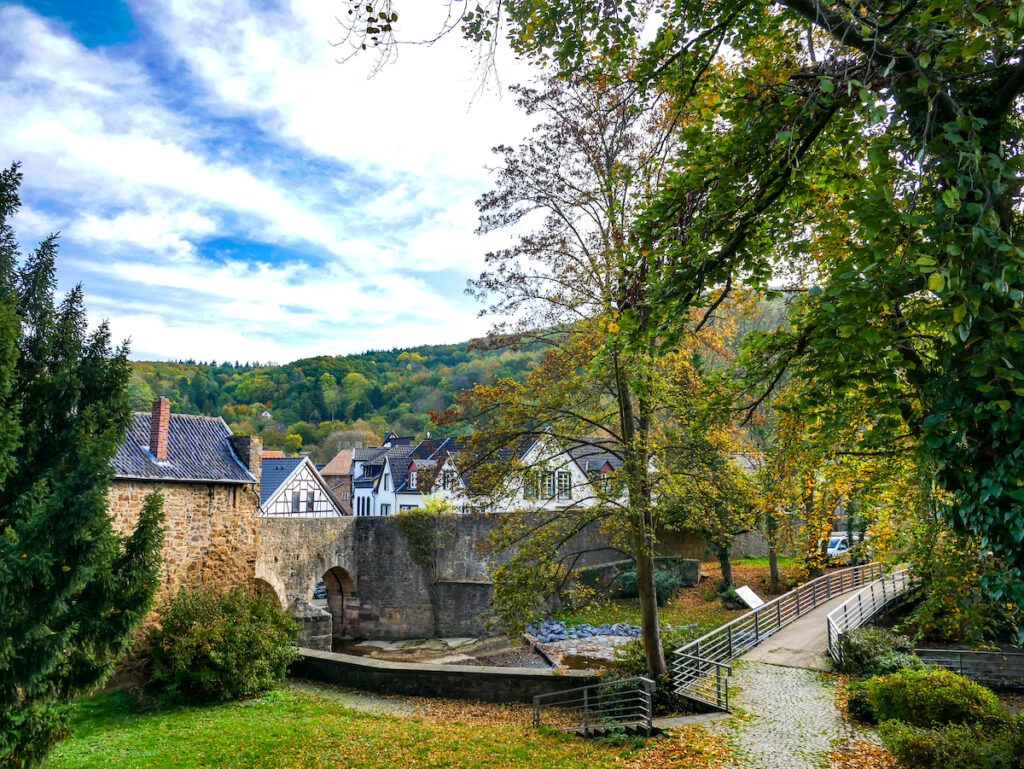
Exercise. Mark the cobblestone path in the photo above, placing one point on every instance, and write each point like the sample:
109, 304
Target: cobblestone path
788, 719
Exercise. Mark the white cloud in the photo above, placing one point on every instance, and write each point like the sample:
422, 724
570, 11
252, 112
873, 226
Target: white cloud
122, 157
420, 114
263, 311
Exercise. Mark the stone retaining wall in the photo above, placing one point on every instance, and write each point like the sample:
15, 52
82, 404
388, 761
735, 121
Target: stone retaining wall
462, 682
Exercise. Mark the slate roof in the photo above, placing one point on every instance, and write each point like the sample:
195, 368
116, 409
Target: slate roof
368, 454
400, 458
592, 458
197, 450
275, 472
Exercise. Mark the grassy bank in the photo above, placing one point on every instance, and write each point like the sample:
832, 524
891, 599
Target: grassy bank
697, 605
289, 728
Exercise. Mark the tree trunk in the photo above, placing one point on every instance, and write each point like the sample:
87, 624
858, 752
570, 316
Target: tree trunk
634, 435
773, 554
724, 554
643, 552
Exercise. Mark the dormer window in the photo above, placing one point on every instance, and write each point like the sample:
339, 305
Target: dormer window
412, 480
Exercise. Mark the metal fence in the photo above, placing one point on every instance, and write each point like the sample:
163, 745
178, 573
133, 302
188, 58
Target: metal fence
863, 607
701, 667
591, 711
995, 668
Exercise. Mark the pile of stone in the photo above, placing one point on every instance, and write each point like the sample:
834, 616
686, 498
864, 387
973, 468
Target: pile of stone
552, 631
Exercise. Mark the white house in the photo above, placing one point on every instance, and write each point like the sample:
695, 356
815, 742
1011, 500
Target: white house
552, 476
292, 487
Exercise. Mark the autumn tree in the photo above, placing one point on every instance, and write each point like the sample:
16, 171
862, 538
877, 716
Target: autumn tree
577, 282
71, 590
909, 115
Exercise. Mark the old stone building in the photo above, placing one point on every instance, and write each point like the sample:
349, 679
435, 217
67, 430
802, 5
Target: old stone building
210, 482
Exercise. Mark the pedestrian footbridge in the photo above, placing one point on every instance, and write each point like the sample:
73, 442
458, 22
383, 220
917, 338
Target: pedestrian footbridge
801, 628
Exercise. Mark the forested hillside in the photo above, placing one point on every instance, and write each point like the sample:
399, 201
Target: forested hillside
328, 401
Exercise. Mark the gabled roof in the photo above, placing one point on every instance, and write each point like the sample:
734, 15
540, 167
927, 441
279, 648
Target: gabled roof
368, 454
341, 464
197, 450
276, 471
593, 457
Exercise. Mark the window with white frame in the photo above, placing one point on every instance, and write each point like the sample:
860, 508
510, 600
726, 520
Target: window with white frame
387, 482
385, 509
412, 480
530, 485
564, 484
549, 485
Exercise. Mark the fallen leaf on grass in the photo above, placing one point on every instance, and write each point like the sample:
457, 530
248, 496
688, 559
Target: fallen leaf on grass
690, 747
856, 754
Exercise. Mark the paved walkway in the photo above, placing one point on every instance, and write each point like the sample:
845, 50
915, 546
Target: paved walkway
788, 718
801, 644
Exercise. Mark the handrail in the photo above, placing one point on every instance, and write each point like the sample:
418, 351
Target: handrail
726, 643
995, 668
592, 709
863, 607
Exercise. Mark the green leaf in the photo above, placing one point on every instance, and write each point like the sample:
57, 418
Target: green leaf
936, 282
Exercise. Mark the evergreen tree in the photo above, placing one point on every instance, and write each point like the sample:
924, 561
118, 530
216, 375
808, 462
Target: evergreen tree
71, 590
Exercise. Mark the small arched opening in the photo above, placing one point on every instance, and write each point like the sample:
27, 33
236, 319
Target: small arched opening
265, 589
341, 602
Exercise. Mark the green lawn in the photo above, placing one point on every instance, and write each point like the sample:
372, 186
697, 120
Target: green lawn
289, 728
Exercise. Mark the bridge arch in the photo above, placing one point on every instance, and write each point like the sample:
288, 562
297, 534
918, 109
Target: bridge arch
267, 582
342, 602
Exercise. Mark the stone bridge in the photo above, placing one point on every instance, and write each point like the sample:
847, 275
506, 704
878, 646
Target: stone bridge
375, 589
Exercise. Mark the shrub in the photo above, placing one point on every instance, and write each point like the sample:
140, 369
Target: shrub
861, 647
727, 593
996, 745
667, 583
859, 704
931, 697
216, 645
894, 662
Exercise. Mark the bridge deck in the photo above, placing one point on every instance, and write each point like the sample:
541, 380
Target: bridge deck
801, 644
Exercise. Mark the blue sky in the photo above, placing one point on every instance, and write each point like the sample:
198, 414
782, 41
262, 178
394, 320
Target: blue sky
225, 189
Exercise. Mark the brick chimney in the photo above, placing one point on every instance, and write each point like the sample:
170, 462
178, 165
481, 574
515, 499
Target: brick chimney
158, 426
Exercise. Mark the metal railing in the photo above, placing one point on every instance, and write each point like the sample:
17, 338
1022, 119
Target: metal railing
594, 710
863, 607
705, 681
708, 656
995, 668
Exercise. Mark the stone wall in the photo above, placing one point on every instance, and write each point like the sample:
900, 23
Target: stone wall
687, 544
465, 682
211, 530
